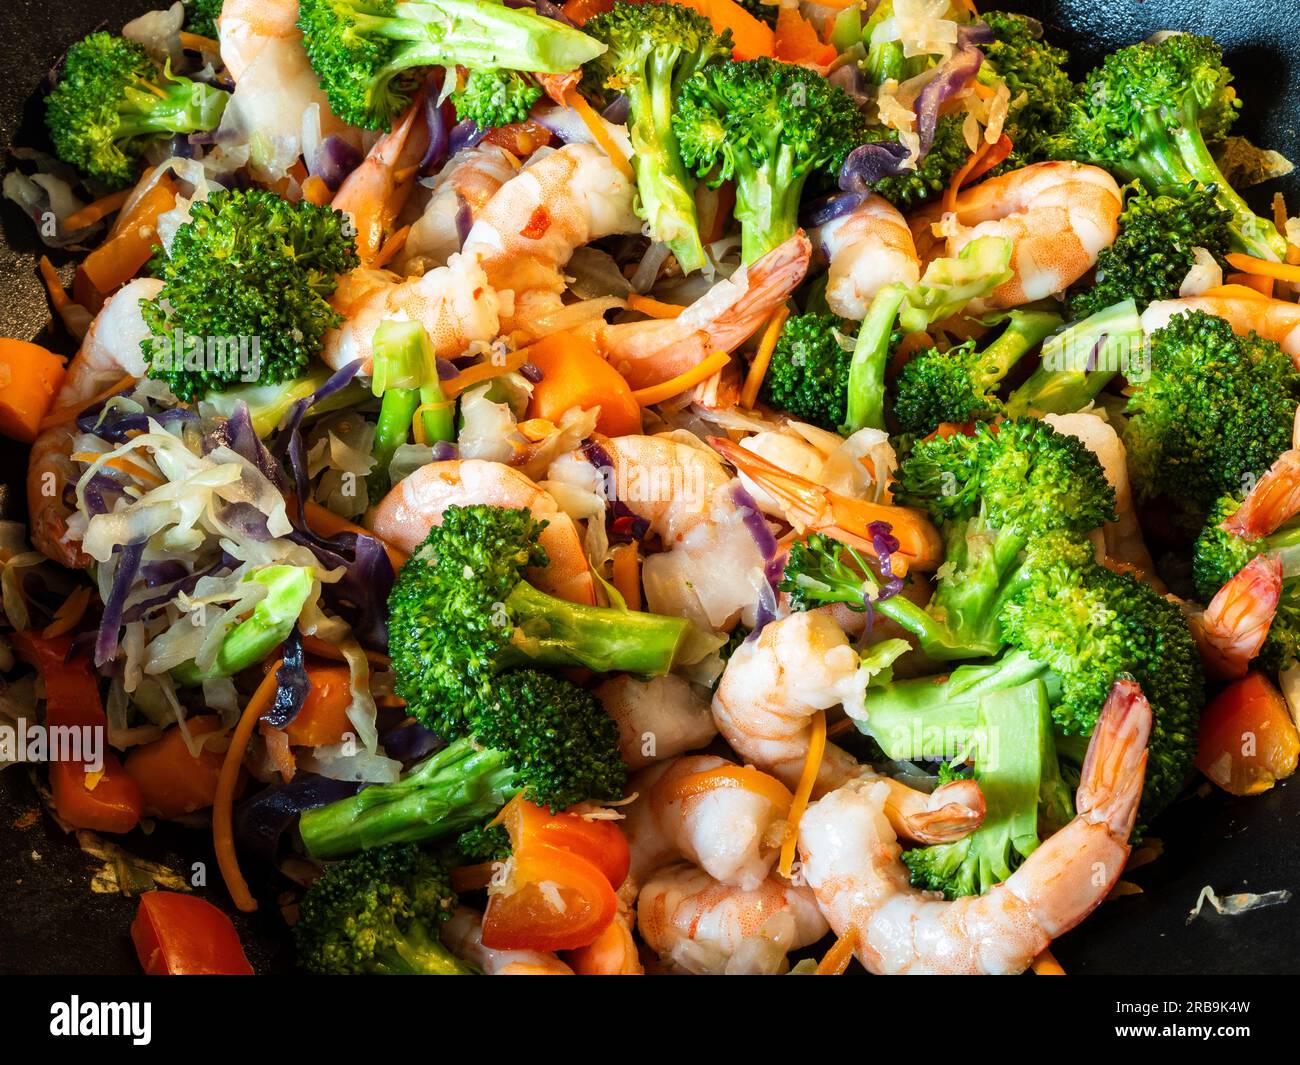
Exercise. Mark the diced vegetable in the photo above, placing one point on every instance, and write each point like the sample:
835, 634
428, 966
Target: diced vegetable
553, 900
173, 781
30, 378
120, 258
1248, 741
600, 841
323, 718
575, 375
184, 935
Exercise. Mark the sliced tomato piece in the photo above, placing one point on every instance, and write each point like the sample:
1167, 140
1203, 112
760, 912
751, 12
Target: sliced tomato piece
183, 935
1247, 741
554, 900
601, 842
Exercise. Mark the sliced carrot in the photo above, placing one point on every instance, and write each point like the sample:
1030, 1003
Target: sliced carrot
278, 750
838, 957
172, 780
653, 308
701, 371
750, 38
1248, 264
223, 837
796, 41
93, 212
997, 153
392, 247
195, 42
69, 614
120, 258
1240, 292
575, 375
484, 371
59, 415
324, 522
1247, 741
314, 190
763, 357
323, 718
627, 574
1047, 965
579, 11
803, 792
716, 211
520, 138
314, 645
30, 378
1258, 282
960, 176
59, 298
596, 126
124, 464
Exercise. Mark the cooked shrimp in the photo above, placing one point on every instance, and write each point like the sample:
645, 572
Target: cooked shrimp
528, 231
463, 936
732, 831
851, 859
110, 351
614, 953
1274, 499
465, 185
245, 27
1276, 320
454, 303
649, 352
404, 517
1232, 629
765, 702
696, 924
658, 718
1058, 216
868, 248
373, 195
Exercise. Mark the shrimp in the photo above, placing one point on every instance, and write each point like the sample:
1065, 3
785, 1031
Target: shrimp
650, 352
851, 859
657, 718
454, 303
527, 232
868, 248
614, 952
732, 831
765, 702
462, 934
1232, 629
463, 188
696, 924
1276, 320
1058, 216
110, 351
1274, 499
404, 517
246, 27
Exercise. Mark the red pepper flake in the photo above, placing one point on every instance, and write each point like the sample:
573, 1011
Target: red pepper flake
538, 223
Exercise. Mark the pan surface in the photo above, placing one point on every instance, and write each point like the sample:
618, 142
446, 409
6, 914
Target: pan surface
51, 921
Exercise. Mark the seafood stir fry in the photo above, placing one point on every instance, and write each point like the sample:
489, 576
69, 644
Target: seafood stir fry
711, 486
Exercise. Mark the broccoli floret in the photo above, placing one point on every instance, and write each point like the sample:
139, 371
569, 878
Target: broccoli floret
538, 734
1214, 409
808, 376
245, 292
1153, 252
201, 17
770, 126
485, 843
1148, 112
494, 97
960, 384
111, 101
371, 55
1021, 775
934, 170
1040, 87
461, 611
378, 913
1077, 626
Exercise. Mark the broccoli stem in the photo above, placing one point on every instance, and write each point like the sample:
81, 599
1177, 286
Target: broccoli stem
1080, 361
555, 632
450, 791
405, 373
884, 58
767, 204
1024, 330
288, 588
418, 954
866, 405
184, 106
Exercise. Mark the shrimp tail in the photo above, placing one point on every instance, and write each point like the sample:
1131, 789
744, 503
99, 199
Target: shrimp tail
1232, 629
1274, 499
954, 811
1114, 769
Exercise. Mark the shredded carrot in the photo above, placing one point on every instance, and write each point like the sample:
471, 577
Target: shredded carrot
484, 371
1236, 292
763, 357
701, 371
596, 125
838, 957
70, 612
1262, 285
277, 746
417, 423
314, 645
392, 246
223, 837
93, 212
959, 178
627, 574
196, 42
997, 152
59, 298
536, 429
324, 522
653, 308
984, 92
314, 190
65, 414
744, 777
124, 464
803, 792
1047, 965
1248, 264
151, 87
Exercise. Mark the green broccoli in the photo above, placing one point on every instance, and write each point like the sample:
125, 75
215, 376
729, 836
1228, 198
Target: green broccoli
1148, 112
948, 153
111, 102
484, 843
378, 913
371, 55
493, 97
245, 293
1040, 86
461, 611
538, 734
808, 376
1215, 409
1017, 771
653, 50
1153, 252
960, 384
770, 126
201, 17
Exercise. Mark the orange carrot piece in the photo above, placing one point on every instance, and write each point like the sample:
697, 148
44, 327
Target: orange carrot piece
30, 377
173, 781
701, 371
69, 614
392, 247
1239, 292
324, 522
1247, 739
93, 212
483, 371
314, 645
278, 750
196, 42
120, 258
653, 308
314, 190
575, 375
796, 41
803, 791
59, 415
1047, 965
1248, 264
838, 957
763, 357
323, 718
996, 154
596, 126
1261, 284
750, 38
580, 10
627, 574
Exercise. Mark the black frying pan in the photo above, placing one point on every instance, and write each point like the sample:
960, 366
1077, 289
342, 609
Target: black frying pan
51, 922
